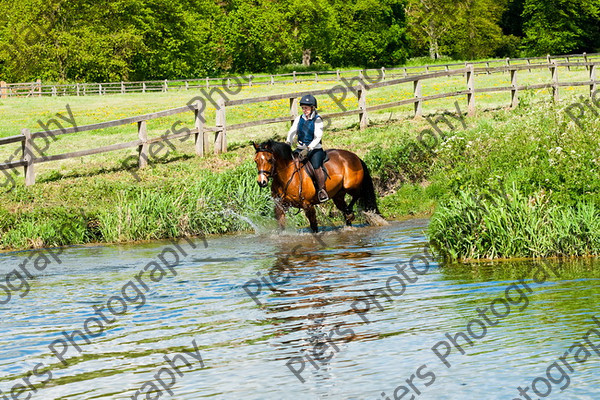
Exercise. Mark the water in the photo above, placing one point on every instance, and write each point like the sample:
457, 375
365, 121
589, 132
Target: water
314, 314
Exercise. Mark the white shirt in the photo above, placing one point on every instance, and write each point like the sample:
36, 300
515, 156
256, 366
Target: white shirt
316, 142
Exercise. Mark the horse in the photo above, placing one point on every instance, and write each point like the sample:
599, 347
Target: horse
293, 187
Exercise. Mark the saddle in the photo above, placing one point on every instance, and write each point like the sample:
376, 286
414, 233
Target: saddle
310, 171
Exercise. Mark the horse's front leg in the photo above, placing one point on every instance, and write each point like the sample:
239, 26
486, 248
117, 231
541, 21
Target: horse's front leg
280, 214
311, 214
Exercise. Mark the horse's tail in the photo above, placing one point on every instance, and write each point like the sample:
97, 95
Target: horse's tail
368, 199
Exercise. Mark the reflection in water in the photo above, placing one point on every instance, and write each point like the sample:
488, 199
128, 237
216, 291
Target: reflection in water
302, 316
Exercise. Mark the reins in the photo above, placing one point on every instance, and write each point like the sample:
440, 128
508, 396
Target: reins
273, 172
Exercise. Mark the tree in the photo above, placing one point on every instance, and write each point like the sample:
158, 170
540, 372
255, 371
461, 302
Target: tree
476, 32
561, 26
313, 25
255, 37
370, 33
430, 21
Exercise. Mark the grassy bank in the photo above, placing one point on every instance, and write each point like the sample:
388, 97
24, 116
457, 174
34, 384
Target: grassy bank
507, 183
519, 184
513, 183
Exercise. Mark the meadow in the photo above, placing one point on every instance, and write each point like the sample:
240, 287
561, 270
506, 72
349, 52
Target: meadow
99, 198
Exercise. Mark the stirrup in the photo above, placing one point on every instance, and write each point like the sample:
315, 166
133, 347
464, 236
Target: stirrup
322, 195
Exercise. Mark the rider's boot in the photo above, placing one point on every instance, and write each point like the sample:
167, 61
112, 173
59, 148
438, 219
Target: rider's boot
321, 192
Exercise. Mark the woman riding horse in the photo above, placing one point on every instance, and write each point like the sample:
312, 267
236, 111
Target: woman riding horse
292, 187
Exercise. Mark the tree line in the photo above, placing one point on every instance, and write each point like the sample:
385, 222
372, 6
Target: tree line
114, 40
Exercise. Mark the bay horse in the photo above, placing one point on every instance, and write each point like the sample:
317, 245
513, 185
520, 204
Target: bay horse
292, 187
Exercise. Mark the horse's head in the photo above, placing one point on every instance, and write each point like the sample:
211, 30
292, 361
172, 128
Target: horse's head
265, 162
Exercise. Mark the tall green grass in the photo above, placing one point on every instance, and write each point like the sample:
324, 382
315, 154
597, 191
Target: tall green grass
469, 226
552, 169
213, 203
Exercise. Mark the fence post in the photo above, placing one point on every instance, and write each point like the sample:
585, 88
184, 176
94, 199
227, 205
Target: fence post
293, 108
316, 77
199, 125
363, 118
207, 83
417, 91
554, 72
77, 89
294, 76
143, 148
568, 66
55, 93
99, 89
250, 80
471, 90
337, 74
514, 92
143, 87
383, 73
220, 135
272, 80
405, 73
3, 90
39, 87
592, 79
84, 88
27, 147
529, 64
487, 66
165, 86
122, 87
187, 85
585, 60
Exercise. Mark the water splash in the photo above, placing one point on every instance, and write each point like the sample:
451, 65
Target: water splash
247, 220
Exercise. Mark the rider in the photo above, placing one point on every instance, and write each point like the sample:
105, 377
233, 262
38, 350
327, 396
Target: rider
309, 128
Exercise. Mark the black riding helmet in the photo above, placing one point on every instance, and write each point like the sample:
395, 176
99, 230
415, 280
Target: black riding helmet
308, 100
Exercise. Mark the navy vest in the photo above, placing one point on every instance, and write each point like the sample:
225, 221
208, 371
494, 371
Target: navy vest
306, 129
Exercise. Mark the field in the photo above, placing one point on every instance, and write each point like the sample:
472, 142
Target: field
181, 194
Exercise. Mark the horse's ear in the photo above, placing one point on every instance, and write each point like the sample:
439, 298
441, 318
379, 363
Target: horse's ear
255, 146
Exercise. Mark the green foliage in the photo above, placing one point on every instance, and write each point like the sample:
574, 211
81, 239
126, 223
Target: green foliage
471, 226
407, 162
561, 27
371, 33
549, 168
151, 39
214, 203
113, 40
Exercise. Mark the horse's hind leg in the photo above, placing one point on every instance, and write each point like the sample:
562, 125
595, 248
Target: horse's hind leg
311, 214
340, 203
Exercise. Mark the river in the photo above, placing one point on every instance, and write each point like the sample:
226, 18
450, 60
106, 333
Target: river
360, 313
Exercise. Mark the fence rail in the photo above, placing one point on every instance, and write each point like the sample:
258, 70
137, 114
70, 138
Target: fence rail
29, 89
202, 133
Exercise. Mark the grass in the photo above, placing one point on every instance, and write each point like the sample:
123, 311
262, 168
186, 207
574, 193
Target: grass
519, 184
101, 198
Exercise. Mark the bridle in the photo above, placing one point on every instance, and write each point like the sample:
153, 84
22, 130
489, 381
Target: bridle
270, 173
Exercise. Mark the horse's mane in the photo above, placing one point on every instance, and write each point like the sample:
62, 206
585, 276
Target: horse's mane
280, 149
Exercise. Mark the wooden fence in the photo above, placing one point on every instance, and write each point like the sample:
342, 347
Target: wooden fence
202, 133
86, 89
